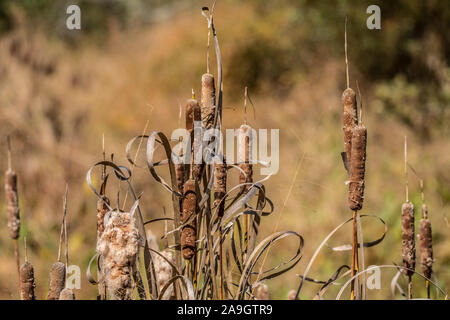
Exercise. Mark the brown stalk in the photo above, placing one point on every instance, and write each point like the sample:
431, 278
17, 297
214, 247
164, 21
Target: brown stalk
408, 232
12, 206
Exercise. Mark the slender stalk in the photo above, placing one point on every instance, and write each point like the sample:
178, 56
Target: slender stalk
346, 56
354, 256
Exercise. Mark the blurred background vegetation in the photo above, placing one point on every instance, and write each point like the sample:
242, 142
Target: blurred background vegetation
135, 60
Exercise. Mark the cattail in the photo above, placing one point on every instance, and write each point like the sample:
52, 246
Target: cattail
357, 168
425, 240
102, 210
208, 100
67, 294
349, 120
119, 248
27, 283
164, 271
192, 112
245, 143
57, 280
179, 174
350, 109
220, 186
12, 203
188, 234
262, 292
197, 168
291, 295
408, 241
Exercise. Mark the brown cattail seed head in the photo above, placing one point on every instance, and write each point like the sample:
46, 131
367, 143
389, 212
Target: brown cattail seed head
189, 232
357, 168
220, 186
102, 209
179, 174
12, 204
67, 294
426, 246
197, 168
119, 248
408, 241
164, 271
245, 145
349, 118
193, 112
57, 280
27, 283
208, 100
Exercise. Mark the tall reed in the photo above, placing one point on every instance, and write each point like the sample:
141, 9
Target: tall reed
408, 232
425, 243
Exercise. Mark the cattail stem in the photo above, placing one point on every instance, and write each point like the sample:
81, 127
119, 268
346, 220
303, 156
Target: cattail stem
16, 255
409, 287
355, 265
346, 55
406, 169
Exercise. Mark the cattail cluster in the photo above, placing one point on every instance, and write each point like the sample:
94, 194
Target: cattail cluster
208, 100
220, 186
245, 144
12, 203
57, 280
188, 217
27, 283
408, 241
164, 272
119, 247
357, 167
425, 242
349, 120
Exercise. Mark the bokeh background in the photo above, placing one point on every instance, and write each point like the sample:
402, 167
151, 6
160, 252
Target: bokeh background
136, 61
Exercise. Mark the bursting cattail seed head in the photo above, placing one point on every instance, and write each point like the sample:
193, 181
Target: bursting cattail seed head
119, 248
12, 203
408, 240
208, 100
357, 168
27, 283
291, 295
349, 119
164, 271
57, 280
189, 231
262, 292
425, 242
67, 294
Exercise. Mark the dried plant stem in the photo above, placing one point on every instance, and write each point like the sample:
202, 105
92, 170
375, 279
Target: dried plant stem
355, 264
346, 55
12, 206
